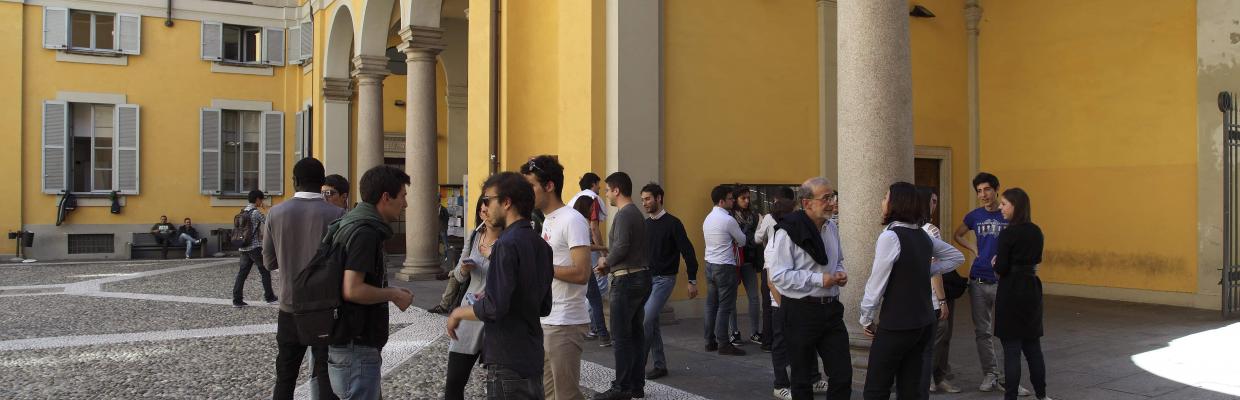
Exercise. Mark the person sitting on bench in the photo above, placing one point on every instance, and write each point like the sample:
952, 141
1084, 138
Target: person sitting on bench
165, 234
189, 236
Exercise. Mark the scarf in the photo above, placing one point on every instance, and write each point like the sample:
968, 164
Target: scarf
362, 215
802, 231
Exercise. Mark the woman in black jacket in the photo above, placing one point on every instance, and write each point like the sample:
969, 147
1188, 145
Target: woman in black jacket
1018, 304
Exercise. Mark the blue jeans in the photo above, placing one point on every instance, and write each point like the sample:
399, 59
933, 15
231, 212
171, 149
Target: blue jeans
594, 297
355, 371
660, 290
189, 243
720, 301
505, 384
628, 301
749, 278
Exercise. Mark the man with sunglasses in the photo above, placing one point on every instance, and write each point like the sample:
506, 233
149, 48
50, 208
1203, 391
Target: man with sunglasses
335, 190
568, 233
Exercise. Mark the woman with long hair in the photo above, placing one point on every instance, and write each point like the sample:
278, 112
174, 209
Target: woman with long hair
1018, 302
589, 207
749, 262
471, 269
900, 281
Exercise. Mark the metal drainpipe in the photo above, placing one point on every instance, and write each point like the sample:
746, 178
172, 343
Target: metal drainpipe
168, 21
494, 95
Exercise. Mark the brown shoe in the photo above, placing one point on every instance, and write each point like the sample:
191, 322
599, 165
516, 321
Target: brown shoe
729, 350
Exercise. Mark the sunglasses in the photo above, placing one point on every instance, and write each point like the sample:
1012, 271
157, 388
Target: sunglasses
329, 193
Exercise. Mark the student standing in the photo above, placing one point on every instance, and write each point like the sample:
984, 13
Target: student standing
1018, 303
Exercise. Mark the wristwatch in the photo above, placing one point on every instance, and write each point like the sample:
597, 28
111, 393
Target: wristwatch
693, 282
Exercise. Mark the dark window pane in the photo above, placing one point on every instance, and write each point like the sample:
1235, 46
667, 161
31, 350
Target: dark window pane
81, 164
232, 43
250, 47
79, 29
104, 31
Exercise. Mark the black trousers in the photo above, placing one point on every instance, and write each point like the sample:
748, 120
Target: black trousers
898, 356
248, 260
812, 330
1012, 348
460, 366
288, 362
767, 312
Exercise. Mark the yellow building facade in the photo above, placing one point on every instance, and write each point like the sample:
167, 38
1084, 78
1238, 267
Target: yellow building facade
1103, 112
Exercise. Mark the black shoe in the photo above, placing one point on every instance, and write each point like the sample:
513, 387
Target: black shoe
656, 374
736, 339
712, 347
239, 304
604, 341
613, 394
730, 350
640, 394
756, 338
438, 310
442, 276
766, 347
273, 301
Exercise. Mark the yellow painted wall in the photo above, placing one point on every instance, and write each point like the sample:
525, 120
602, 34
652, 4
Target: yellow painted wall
741, 100
171, 83
1091, 107
479, 99
12, 41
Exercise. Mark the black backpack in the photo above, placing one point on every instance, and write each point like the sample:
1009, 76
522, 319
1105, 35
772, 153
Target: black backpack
243, 229
315, 297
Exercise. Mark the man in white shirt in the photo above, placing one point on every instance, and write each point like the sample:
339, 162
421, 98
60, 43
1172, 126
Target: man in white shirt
806, 266
722, 235
568, 233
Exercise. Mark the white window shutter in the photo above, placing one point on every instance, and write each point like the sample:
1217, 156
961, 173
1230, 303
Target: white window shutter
294, 49
271, 179
273, 46
130, 33
55, 144
55, 28
209, 173
212, 41
307, 123
298, 147
127, 126
307, 40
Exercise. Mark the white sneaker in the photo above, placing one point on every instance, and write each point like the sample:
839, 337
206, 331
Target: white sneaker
820, 387
989, 383
783, 394
946, 386
934, 388
1021, 391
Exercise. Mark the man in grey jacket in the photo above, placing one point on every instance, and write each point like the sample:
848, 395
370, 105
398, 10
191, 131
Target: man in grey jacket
294, 229
627, 261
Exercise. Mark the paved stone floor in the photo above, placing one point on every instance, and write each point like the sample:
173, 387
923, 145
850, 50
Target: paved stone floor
166, 329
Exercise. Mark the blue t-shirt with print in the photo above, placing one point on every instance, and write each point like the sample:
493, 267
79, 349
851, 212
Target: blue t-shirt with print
986, 225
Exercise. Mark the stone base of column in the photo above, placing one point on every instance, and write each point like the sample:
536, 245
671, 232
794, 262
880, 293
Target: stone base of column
859, 348
418, 273
667, 316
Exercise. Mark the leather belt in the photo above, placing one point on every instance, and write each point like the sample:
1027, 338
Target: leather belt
815, 300
985, 281
626, 271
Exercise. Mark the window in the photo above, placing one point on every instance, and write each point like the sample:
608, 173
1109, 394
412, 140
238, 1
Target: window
91, 30
240, 165
92, 147
242, 44
91, 243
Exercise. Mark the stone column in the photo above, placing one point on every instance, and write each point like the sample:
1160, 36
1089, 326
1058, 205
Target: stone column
369, 72
875, 133
634, 112
420, 45
972, 16
337, 93
828, 111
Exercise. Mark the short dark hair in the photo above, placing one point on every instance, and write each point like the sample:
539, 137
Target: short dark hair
620, 180
545, 169
786, 193
382, 179
512, 187
308, 175
1021, 214
255, 195
588, 180
186, 219
986, 177
338, 183
902, 204
719, 193
923, 202
654, 189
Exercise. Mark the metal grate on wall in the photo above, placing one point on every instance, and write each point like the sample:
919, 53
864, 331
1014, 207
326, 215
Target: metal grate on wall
92, 243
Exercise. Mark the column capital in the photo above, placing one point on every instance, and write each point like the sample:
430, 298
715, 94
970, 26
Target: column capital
337, 89
972, 16
368, 68
421, 42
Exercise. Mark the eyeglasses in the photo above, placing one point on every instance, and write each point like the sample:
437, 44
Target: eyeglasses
830, 198
487, 199
330, 193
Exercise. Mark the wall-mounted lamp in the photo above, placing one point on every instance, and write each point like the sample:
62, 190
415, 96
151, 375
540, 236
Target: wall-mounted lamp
400, 103
921, 12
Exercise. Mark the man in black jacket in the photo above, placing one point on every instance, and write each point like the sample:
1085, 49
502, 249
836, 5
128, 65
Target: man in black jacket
668, 244
189, 236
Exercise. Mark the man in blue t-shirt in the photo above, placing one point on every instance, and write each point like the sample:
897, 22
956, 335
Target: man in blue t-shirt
985, 222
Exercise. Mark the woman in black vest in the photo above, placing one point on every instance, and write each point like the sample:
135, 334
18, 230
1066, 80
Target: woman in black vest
900, 281
1018, 304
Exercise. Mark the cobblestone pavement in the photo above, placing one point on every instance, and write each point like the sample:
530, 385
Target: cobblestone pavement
167, 330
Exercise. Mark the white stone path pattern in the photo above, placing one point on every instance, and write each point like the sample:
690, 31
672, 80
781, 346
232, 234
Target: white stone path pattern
424, 328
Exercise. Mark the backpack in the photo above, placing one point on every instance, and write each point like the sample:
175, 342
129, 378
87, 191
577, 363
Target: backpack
243, 229
316, 296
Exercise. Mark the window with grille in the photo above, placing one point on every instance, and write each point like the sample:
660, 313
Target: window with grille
91, 243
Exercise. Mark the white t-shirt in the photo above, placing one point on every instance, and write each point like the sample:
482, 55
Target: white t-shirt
565, 229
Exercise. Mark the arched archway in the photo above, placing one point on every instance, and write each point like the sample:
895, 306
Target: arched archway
337, 91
